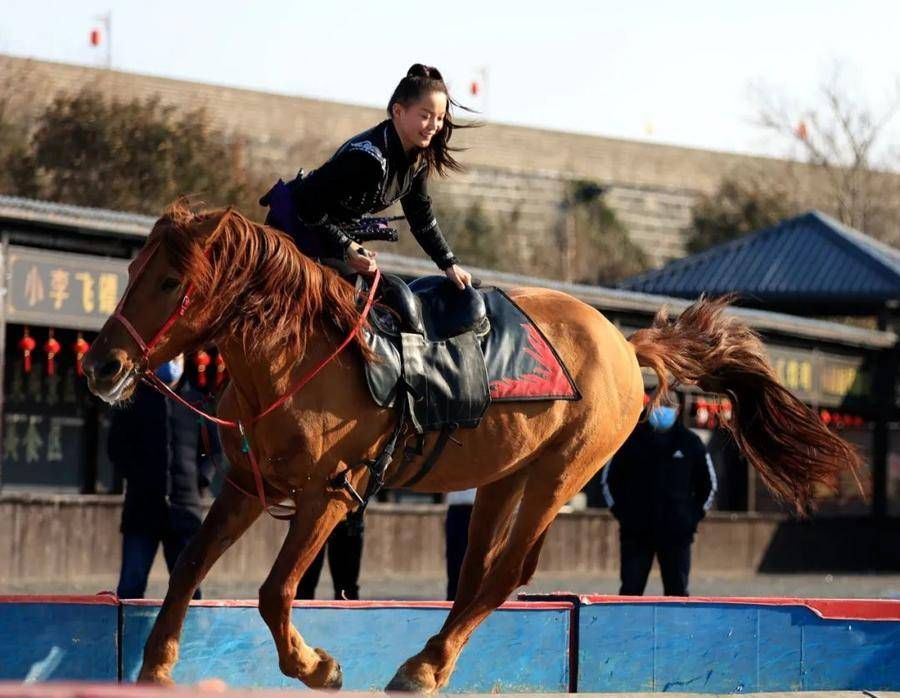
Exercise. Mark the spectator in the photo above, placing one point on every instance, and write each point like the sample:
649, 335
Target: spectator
344, 546
155, 444
456, 527
659, 486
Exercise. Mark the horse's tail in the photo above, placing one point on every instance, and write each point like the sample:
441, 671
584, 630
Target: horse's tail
781, 437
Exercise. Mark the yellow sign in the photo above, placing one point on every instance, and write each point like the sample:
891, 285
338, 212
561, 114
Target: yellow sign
63, 290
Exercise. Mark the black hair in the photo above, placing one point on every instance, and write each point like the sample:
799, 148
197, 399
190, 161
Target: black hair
421, 80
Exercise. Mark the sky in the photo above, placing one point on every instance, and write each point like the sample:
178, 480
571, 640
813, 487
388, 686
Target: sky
672, 72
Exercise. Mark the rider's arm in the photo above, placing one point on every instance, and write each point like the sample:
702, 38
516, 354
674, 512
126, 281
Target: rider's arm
339, 186
417, 209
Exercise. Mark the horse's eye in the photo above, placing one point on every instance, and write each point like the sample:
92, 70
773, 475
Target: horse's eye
170, 284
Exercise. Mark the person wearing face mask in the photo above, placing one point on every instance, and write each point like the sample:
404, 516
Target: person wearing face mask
390, 162
659, 486
155, 444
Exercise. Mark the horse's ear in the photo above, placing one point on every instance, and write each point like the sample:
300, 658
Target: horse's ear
221, 227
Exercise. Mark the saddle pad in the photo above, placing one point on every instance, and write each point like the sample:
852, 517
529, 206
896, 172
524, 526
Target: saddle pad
521, 364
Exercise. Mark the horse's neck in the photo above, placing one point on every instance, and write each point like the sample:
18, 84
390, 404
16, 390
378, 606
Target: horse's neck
260, 379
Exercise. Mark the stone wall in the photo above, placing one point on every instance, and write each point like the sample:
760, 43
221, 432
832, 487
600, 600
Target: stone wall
511, 169
56, 542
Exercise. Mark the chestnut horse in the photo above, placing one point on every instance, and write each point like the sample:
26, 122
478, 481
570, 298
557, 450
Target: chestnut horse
274, 313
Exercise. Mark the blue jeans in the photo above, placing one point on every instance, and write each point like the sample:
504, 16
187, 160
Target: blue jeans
138, 551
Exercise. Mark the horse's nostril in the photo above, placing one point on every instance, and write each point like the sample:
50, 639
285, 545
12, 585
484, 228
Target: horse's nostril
110, 369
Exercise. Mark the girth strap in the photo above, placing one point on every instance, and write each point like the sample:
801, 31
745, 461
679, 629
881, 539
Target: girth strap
378, 467
432, 459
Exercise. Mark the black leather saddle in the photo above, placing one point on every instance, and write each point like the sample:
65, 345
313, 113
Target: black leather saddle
430, 306
427, 336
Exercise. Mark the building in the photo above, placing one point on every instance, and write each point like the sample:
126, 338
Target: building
814, 266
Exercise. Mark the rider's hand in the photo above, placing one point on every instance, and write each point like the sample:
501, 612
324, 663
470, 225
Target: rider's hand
360, 259
458, 276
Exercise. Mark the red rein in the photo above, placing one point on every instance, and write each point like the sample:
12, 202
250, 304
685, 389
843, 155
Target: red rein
156, 382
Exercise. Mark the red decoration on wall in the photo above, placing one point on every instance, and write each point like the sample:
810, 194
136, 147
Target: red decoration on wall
80, 347
702, 413
52, 347
220, 370
202, 360
27, 345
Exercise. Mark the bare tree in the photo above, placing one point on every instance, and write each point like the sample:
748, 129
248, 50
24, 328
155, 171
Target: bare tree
845, 140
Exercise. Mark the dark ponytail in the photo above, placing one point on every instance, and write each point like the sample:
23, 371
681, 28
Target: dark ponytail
419, 81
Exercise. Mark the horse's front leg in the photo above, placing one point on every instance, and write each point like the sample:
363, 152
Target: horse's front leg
230, 515
316, 517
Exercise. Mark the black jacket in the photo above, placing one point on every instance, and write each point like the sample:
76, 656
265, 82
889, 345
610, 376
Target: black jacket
660, 483
366, 175
155, 444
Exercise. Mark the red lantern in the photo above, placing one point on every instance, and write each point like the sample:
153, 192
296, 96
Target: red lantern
80, 348
220, 370
95, 37
202, 361
51, 346
826, 416
726, 410
702, 414
27, 345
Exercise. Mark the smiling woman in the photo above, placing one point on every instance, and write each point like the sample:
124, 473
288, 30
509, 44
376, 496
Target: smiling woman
376, 168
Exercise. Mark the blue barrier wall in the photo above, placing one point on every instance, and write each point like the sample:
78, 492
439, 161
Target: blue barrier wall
623, 644
729, 647
47, 638
520, 648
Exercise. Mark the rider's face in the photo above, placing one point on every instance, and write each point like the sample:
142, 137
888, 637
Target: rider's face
417, 123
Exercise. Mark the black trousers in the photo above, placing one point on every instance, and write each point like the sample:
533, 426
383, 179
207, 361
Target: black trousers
344, 548
138, 553
456, 528
637, 553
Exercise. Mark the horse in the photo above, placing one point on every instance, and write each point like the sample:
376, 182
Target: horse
217, 277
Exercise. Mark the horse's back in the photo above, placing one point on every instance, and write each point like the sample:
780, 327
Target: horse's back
598, 356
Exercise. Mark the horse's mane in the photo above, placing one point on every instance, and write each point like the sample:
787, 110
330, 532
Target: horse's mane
252, 282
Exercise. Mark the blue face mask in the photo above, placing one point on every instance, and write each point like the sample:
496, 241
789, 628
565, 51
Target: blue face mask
170, 372
663, 417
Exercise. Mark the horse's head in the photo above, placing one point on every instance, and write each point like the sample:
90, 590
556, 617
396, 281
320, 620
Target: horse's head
156, 318
208, 277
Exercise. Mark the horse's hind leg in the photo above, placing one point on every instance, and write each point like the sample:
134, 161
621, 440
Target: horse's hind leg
488, 528
308, 531
547, 489
230, 515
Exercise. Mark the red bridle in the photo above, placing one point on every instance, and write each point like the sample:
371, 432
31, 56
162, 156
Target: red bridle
177, 314
150, 376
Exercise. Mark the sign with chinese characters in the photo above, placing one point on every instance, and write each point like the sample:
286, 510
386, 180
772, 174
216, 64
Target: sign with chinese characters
61, 289
43, 421
829, 380
42, 449
795, 370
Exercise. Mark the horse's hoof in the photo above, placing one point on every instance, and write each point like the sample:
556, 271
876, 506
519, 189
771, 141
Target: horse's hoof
158, 678
334, 678
403, 683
